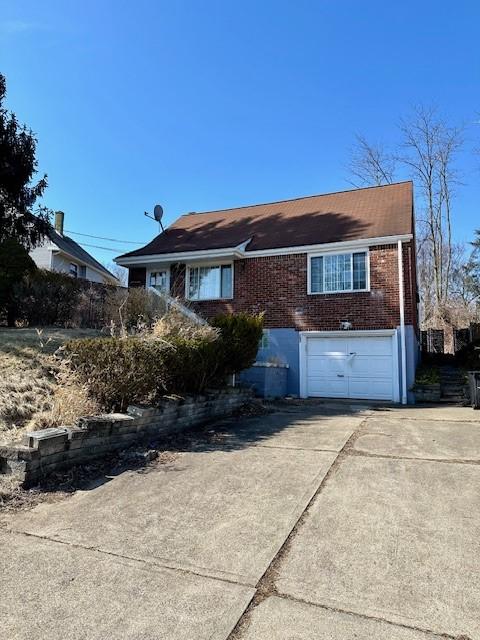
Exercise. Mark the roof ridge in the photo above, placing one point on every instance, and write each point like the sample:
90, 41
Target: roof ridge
315, 195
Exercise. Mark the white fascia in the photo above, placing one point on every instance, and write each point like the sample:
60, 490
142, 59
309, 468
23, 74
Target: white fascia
187, 256
241, 252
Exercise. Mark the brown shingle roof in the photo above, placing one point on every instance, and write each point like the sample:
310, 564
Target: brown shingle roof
334, 217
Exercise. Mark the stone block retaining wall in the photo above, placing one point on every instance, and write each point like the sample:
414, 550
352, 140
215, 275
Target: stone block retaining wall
427, 392
50, 450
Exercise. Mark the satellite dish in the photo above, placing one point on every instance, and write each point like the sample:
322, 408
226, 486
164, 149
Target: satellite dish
158, 212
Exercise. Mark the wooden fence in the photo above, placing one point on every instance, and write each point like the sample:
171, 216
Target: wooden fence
433, 340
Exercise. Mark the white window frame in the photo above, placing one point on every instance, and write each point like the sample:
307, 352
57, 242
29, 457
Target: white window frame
324, 254
196, 265
73, 272
156, 270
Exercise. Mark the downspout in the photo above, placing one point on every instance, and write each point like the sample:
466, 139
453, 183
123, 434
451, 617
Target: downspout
403, 348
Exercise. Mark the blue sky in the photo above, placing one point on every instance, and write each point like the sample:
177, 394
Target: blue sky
203, 105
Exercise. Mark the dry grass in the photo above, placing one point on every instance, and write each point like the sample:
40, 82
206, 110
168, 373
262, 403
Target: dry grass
174, 325
34, 392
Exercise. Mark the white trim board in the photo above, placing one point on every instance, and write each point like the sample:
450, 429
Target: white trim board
241, 252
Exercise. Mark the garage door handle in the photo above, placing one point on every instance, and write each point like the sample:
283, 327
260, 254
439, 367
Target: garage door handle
340, 375
352, 353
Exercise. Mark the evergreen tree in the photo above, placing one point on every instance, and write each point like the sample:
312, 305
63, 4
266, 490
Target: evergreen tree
18, 192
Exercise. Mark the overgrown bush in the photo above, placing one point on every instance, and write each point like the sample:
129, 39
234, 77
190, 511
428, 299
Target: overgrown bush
130, 309
175, 325
121, 371
241, 334
47, 298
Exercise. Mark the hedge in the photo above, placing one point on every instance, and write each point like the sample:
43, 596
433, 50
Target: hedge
121, 371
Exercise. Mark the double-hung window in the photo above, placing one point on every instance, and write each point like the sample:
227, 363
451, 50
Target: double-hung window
210, 282
339, 272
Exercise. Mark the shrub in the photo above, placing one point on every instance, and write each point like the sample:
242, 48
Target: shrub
193, 365
47, 298
169, 359
426, 374
241, 334
119, 371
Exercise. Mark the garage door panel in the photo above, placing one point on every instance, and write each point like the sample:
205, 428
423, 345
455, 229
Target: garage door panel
370, 346
327, 346
327, 387
326, 366
375, 367
366, 388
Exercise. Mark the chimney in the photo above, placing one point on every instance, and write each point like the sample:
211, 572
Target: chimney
59, 216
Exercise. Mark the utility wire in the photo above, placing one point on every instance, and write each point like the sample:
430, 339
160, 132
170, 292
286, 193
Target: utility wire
86, 235
96, 246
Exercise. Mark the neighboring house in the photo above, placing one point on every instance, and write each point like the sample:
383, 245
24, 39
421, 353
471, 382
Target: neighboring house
335, 275
61, 253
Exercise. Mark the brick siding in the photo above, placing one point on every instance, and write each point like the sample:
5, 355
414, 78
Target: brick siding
278, 286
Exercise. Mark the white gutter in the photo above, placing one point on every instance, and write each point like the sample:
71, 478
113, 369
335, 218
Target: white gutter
241, 251
403, 348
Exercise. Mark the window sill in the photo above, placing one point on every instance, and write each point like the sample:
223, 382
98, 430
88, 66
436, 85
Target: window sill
336, 293
208, 299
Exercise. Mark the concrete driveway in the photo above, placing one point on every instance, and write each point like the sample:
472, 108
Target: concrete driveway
320, 520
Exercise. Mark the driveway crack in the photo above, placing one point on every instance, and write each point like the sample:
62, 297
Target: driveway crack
266, 586
120, 556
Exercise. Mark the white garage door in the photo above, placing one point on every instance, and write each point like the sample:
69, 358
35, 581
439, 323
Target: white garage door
350, 367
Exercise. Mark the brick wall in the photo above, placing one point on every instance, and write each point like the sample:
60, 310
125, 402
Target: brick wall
50, 450
278, 286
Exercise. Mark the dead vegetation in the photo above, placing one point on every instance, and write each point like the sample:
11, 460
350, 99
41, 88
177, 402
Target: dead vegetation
35, 391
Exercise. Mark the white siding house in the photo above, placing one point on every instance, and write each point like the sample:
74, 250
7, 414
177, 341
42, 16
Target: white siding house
62, 254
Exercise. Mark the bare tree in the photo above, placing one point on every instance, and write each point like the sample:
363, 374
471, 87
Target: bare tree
119, 272
371, 164
429, 151
427, 154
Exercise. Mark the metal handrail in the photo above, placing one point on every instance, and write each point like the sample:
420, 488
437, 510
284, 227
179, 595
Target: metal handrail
174, 303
